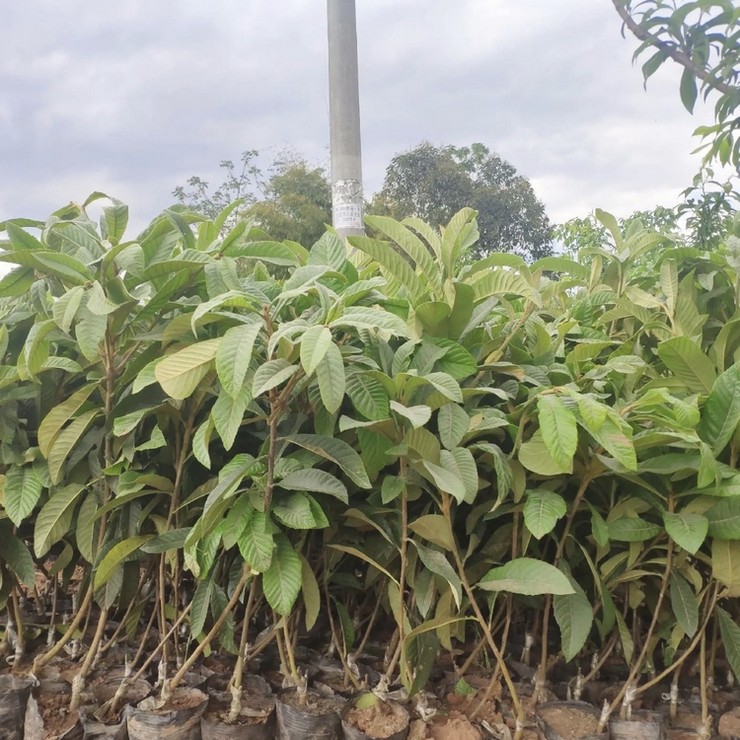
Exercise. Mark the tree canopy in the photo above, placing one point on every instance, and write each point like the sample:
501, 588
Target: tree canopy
434, 182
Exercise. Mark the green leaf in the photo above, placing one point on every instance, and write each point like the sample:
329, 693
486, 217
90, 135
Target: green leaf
368, 396
117, 555
395, 266
23, 486
270, 375
574, 615
726, 565
336, 451
90, 333
632, 529
174, 539
97, 302
17, 282
435, 528
316, 481
721, 411
503, 282
256, 542
15, 554
54, 519
281, 582
724, 519
363, 556
59, 416
526, 576
730, 633
201, 603
65, 442
684, 358
234, 355
689, 90
330, 374
685, 604
180, 372
201, 440
446, 385
85, 529
686, 530
461, 460
417, 416
272, 252
311, 594
559, 429
625, 637
227, 414
436, 562
446, 480
535, 456
295, 512
452, 424
542, 509
371, 319
315, 343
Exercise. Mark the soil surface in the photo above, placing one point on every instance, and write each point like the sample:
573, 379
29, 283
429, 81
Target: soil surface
55, 714
454, 726
379, 721
570, 722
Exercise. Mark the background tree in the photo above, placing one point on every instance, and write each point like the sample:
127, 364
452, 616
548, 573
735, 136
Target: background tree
296, 203
433, 183
292, 201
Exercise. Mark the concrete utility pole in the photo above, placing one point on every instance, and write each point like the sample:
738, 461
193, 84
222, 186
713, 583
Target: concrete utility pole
344, 113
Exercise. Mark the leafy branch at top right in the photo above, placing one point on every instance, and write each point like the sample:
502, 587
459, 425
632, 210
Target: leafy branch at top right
703, 36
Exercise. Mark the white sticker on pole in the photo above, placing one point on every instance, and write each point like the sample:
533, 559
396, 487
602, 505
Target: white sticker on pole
347, 204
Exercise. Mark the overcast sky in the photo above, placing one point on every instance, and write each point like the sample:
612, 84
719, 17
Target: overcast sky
133, 97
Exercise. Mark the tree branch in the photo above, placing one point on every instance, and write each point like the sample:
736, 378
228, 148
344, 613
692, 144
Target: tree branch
674, 53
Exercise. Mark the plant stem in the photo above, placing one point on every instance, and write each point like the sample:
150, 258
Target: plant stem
237, 675
637, 665
518, 708
177, 678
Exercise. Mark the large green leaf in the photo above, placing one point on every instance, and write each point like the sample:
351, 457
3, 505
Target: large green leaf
686, 530
256, 542
542, 509
15, 554
452, 424
724, 519
535, 455
526, 576
632, 529
435, 528
730, 633
200, 605
336, 451
17, 282
281, 582
59, 416
315, 343
311, 593
23, 486
417, 416
118, 554
446, 479
371, 319
726, 565
180, 372
721, 412
270, 375
685, 603
295, 512
65, 442
501, 282
574, 615
234, 355
316, 481
227, 414
394, 264
368, 396
54, 519
559, 429
436, 562
684, 358
330, 374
